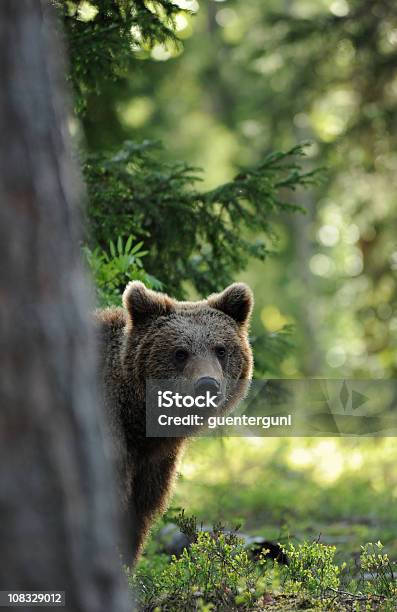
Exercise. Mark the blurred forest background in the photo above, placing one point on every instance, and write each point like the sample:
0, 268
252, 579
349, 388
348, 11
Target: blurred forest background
225, 86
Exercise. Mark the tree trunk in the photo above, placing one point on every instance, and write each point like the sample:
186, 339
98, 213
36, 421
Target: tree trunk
57, 515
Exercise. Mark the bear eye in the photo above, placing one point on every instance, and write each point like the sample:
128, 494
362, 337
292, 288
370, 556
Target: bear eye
181, 355
220, 351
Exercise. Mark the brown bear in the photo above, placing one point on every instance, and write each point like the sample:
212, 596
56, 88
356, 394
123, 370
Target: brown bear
157, 337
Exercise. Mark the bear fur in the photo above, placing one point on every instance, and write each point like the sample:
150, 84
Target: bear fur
157, 337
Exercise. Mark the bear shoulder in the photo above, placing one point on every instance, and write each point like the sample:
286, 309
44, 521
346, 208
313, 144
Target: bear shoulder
110, 324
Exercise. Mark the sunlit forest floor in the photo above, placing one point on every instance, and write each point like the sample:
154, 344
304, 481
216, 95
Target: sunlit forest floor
308, 495
341, 490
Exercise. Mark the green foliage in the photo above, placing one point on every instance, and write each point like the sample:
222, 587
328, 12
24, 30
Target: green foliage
200, 237
347, 108
311, 567
259, 75
378, 575
270, 349
113, 269
215, 573
216, 568
187, 525
256, 76
103, 34
218, 572
195, 239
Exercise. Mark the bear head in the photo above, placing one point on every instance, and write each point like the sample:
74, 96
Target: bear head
204, 342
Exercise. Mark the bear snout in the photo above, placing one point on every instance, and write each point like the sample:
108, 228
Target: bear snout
206, 384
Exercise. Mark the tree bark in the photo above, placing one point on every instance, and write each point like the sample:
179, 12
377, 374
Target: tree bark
57, 515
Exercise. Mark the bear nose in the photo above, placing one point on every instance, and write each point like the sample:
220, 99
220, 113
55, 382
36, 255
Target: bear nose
206, 383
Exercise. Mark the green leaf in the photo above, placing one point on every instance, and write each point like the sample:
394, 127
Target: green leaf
128, 244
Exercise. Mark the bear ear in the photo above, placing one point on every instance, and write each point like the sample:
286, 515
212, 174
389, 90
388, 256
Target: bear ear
142, 303
236, 301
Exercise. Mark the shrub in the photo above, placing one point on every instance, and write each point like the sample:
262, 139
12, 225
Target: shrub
114, 268
203, 238
311, 567
218, 572
376, 563
215, 572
